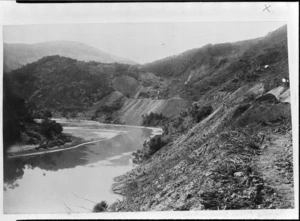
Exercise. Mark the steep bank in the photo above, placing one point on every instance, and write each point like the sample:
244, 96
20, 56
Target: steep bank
217, 164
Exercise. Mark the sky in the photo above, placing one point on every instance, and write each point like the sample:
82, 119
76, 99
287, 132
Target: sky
141, 42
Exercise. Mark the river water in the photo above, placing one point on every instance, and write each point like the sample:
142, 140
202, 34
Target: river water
73, 180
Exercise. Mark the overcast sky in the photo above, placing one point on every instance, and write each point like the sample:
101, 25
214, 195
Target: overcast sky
141, 42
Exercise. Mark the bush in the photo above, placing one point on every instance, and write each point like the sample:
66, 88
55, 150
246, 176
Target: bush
156, 143
265, 114
50, 128
202, 113
42, 114
100, 207
153, 119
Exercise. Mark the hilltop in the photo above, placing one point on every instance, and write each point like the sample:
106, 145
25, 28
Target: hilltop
17, 55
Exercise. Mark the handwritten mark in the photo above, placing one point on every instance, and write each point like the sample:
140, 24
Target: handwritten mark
267, 8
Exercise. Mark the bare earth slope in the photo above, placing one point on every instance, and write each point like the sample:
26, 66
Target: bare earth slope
133, 109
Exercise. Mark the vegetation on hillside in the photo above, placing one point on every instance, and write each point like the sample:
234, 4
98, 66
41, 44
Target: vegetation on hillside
153, 120
69, 88
172, 127
17, 55
20, 127
226, 67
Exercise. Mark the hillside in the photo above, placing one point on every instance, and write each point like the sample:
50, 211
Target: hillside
59, 83
110, 93
20, 128
17, 55
198, 72
239, 157
233, 148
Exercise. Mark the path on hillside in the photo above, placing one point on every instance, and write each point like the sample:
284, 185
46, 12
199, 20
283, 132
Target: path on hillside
274, 164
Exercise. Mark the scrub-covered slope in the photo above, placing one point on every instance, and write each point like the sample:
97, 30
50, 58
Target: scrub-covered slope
199, 72
233, 148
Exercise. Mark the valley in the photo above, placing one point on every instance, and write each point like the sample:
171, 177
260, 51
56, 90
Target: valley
224, 111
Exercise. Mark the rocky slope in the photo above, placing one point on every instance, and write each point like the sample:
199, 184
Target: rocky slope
17, 55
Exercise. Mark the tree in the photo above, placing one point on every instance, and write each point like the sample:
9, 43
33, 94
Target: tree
50, 128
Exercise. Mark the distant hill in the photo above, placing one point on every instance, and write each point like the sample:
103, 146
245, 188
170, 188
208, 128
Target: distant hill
211, 55
17, 55
91, 90
56, 82
62, 84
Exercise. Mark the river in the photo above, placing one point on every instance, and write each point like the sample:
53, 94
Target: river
75, 179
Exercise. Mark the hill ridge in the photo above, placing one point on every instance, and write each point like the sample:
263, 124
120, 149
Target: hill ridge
19, 54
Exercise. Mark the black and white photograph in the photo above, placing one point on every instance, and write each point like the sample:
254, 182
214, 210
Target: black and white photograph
148, 116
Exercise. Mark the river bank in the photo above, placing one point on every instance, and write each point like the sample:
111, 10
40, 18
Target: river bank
74, 137
103, 150
78, 133
19, 150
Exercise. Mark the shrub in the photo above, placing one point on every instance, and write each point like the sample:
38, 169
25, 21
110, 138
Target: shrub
265, 114
50, 128
153, 119
100, 207
42, 114
156, 143
202, 113
178, 122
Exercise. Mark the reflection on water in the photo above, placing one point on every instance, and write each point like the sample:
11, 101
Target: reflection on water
70, 180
